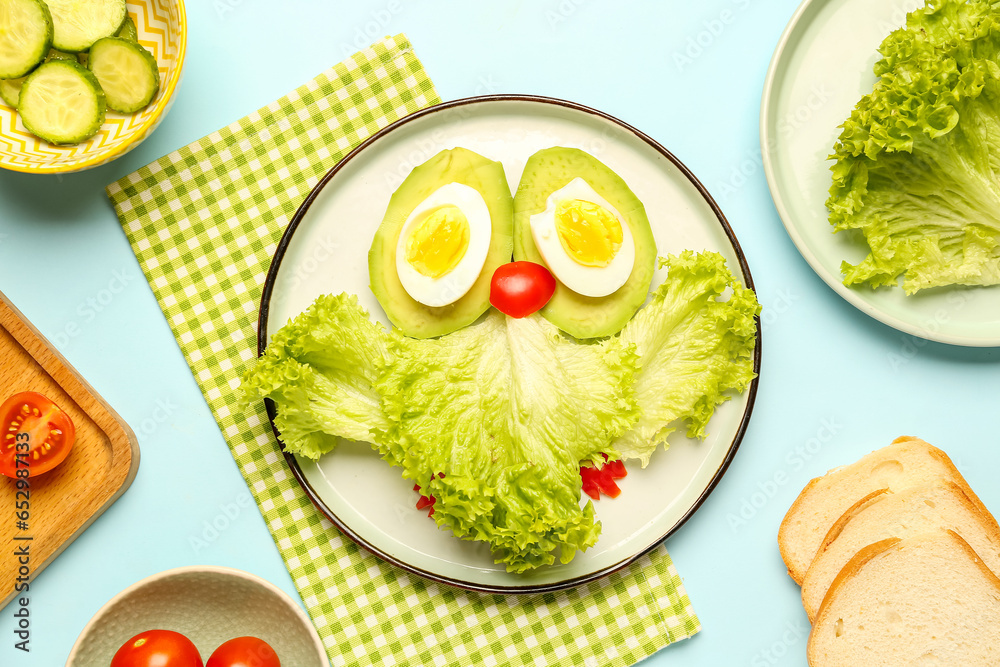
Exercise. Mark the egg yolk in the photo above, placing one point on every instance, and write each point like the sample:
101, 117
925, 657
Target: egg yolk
439, 242
590, 234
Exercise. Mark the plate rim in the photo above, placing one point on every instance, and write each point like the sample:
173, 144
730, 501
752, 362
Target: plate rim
801, 19
301, 212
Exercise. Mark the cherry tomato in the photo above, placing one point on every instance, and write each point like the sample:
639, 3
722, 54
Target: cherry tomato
157, 648
36, 432
244, 652
519, 289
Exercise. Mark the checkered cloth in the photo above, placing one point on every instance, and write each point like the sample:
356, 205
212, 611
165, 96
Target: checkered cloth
204, 222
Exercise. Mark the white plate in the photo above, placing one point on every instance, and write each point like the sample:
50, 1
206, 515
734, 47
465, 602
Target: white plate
325, 250
821, 68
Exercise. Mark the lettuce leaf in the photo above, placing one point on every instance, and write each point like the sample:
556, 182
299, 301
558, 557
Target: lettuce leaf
695, 347
494, 420
320, 370
507, 409
917, 169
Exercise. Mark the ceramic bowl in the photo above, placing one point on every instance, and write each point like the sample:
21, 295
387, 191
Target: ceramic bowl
209, 605
162, 28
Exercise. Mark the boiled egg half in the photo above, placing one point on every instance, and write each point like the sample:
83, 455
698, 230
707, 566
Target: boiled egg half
443, 245
584, 240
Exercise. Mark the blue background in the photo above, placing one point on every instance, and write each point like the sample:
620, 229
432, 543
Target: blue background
835, 384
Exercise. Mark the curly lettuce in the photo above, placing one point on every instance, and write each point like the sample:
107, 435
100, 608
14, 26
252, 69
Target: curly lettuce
320, 370
917, 169
695, 340
507, 409
494, 420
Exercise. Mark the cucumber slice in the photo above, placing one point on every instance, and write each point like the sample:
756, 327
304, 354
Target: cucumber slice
60, 55
80, 23
10, 91
62, 103
25, 36
129, 31
127, 72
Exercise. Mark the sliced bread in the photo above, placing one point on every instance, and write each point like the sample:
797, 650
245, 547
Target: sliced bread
906, 462
922, 600
886, 514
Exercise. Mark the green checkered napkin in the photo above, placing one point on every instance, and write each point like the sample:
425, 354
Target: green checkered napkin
204, 222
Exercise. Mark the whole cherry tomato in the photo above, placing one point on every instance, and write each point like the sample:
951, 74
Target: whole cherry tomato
37, 435
157, 648
519, 289
244, 652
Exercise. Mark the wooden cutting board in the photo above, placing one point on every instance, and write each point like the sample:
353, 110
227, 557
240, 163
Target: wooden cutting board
100, 467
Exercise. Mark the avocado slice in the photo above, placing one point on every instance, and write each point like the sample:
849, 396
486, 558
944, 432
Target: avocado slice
456, 165
581, 316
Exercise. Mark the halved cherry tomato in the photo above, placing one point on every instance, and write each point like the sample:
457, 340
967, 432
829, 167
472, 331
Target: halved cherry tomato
36, 434
519, 289
244, 652
602, 480
157, 648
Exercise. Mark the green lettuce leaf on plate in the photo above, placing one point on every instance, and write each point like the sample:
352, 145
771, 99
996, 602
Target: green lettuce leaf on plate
320, 370
695, 340
495, 420
917, 169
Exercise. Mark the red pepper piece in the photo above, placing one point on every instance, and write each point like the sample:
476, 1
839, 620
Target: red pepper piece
602, 480
608, 486
425, 502
590, 483
616, 469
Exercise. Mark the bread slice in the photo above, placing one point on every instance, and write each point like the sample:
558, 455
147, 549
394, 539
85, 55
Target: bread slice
923, 600
899, 514
906, 462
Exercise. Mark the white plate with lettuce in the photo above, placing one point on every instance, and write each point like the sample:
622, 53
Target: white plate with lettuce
930, 215
325, 252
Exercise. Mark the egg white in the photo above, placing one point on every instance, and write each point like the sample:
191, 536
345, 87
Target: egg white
592, 281
453, 285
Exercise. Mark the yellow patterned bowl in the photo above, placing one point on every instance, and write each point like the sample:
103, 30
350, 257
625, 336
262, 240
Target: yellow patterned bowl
162, 27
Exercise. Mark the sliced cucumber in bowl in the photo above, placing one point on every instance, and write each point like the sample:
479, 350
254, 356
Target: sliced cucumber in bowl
62, 103
126, 71
26, 30
128, 30
79, 23
64, 63
10, 91
55, 54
